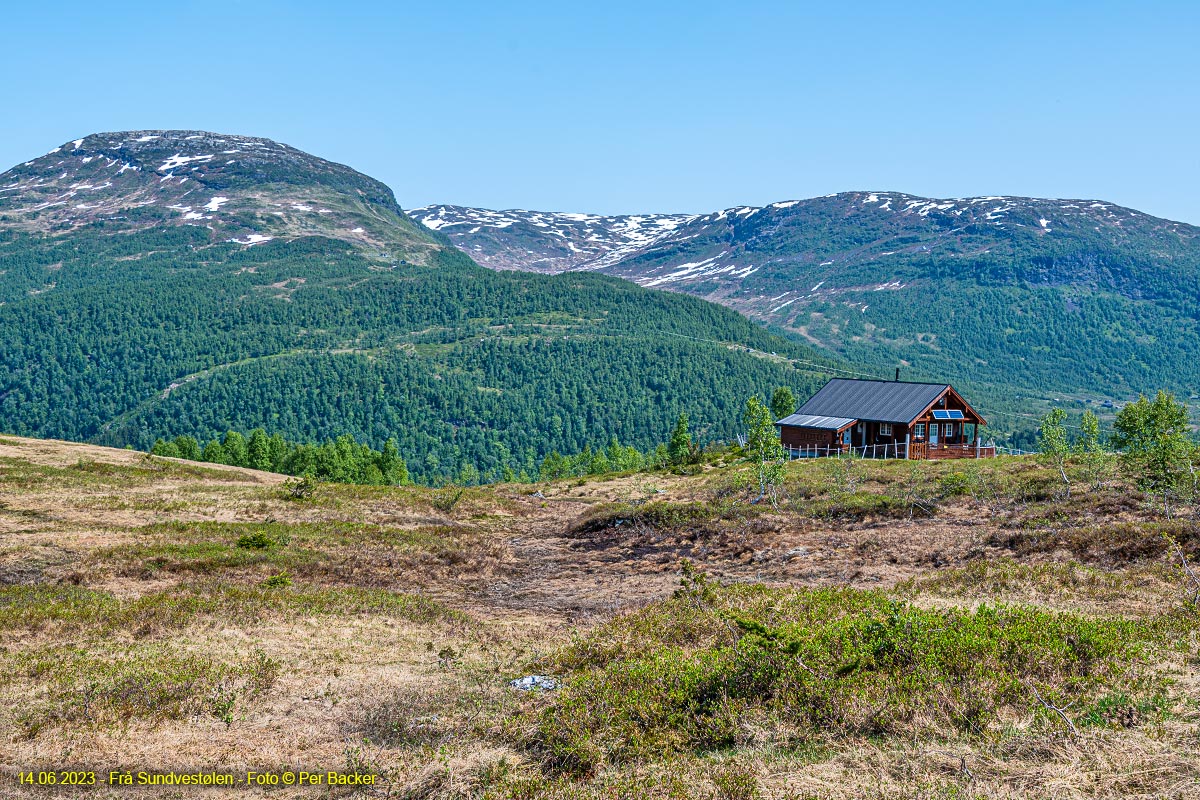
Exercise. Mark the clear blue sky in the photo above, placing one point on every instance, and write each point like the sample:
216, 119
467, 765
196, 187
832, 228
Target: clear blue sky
633, 107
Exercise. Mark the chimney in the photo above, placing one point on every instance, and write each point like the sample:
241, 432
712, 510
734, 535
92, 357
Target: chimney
897, 374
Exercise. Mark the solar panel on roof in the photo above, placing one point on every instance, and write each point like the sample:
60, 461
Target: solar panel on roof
947, 414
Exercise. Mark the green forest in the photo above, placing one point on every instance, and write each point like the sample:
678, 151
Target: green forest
123, 338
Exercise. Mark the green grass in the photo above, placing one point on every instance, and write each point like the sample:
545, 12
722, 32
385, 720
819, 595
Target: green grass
18, 473
1005, 577
854, 506
200, 557
139, 682
335, 551
690, 673
72, 608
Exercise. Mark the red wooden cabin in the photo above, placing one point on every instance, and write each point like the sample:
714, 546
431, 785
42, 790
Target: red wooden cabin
885, 419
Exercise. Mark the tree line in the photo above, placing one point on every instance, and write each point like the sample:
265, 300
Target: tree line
345, 460
342, 460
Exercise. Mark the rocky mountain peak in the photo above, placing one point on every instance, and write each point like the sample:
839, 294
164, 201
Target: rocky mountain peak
246, 189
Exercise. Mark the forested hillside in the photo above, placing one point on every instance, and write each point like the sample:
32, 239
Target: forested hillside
122, 332
1006, 296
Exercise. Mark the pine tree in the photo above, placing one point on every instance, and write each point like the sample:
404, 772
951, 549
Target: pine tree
165, 448
258, 450
234, 445
680, 443
391, 464
188, 447
214, 453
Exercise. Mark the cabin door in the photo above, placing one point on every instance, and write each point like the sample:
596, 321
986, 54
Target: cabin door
933, 432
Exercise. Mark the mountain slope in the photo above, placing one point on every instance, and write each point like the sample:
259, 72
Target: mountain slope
130, 320
548, 242
243, 189
1050, 295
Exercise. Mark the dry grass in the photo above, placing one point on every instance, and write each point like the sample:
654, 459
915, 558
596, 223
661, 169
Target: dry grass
139, 633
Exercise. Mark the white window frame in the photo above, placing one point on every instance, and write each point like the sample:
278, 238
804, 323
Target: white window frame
885, 429
919, 430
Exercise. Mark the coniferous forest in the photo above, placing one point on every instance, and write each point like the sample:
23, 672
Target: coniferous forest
123, 338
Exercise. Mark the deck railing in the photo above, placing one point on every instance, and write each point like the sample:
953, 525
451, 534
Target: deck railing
893, 450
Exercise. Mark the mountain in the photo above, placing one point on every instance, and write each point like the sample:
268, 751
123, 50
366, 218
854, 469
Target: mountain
548, 242
1019, 294
158, 283
243, 189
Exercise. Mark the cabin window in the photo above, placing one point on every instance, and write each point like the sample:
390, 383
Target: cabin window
949, 430
885, 429
919, 430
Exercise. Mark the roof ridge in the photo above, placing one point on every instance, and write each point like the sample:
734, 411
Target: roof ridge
876, 400
888, 380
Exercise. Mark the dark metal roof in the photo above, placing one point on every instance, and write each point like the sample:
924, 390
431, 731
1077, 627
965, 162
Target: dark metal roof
824, 423
877, 401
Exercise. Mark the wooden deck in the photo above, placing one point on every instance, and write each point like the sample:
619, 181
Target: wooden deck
966, 450
914, 451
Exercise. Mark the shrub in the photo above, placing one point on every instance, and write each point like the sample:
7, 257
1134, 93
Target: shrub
279, 581
689, 674
301, 488
954, 484
446, 499
258, 540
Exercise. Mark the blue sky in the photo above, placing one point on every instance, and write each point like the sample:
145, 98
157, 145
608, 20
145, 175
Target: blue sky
634, 107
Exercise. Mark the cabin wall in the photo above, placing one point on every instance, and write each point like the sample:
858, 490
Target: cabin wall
794, 436
871, 434
964, 430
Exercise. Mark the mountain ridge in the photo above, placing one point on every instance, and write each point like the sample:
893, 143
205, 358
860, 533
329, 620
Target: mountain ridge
146, 314
605, 230
1009, 290
241, 188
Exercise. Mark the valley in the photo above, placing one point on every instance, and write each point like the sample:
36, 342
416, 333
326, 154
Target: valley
295, 295
1045, 299
503, 401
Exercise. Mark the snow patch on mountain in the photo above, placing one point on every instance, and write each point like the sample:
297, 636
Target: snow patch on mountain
580, 241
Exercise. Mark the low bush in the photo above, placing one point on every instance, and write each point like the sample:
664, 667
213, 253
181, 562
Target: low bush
260, 540
854, 506
300, 488
1114, 543
279, 580
693, 672
659, 515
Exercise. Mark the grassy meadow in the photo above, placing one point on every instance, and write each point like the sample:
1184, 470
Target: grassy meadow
888, 630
